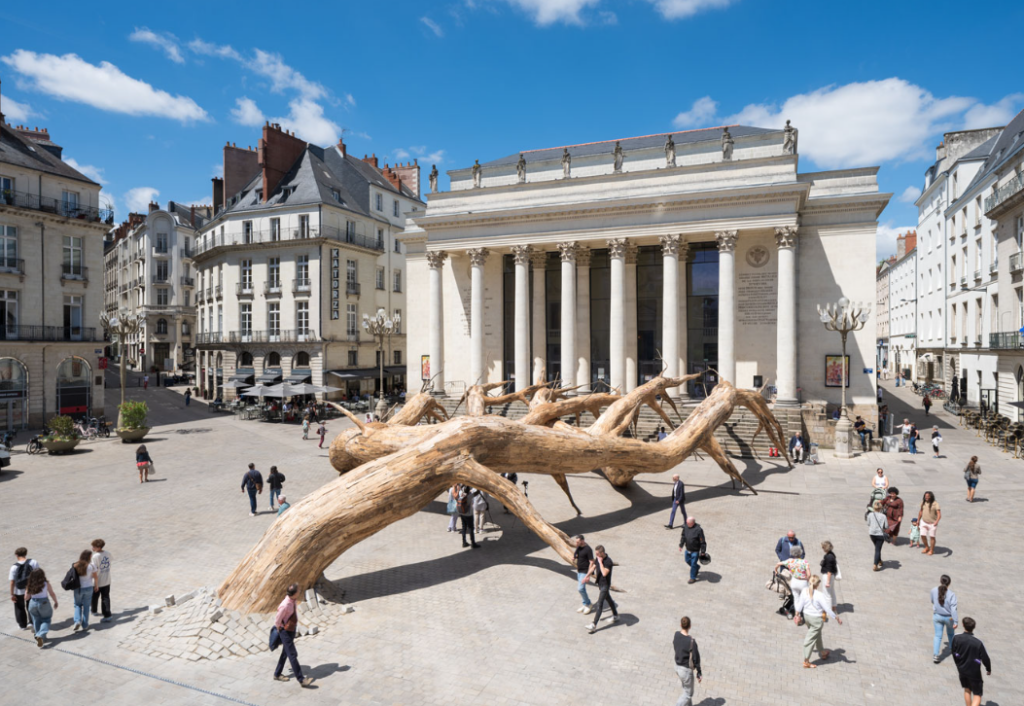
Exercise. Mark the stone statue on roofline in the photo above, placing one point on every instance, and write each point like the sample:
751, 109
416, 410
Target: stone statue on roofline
727, 143
521, 168
789, 139
477, 169
433, 179
618, 157
566, 163
670, 152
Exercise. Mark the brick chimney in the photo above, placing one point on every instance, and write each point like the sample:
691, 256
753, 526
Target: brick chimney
278, 151
392, 176
218, 193
410, 175
371, 160
153, 206
240, 166
341, 147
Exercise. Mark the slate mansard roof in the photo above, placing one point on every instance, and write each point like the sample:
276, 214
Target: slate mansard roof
1006, 144
23, 152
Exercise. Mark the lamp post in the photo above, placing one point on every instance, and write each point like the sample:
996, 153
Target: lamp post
844, 316
123, 325
381, 326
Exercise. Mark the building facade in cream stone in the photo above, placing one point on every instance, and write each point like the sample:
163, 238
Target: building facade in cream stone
604, 264
302, 244
51, 282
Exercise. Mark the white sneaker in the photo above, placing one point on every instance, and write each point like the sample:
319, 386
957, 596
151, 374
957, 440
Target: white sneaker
252, 514
587, 610
78, 626
591, 627
612, 619
580, 609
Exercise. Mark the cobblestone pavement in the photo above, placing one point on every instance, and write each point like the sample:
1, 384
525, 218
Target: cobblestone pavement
434, 624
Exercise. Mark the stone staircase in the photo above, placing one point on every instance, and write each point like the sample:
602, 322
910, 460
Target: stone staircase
735, 435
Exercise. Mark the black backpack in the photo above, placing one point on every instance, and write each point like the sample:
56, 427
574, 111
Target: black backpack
21, 575
462, 504
71, 580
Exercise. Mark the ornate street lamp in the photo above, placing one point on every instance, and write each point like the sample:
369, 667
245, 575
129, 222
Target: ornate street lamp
381, 326
123, 325
844, 316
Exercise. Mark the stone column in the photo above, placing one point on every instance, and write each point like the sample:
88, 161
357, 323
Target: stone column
670, 307
435, 261
477, 371
583, 318
684, 352
540, 328
727, 304
617, 328
786, 322
521, 340
567, 252
629, 309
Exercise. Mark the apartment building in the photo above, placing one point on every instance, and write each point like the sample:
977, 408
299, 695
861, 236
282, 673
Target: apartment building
882, 273
51, 247
149, 272
302, 244
903, 307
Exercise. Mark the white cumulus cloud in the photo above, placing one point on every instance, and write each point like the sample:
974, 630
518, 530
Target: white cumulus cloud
224, 51
94, 173
247, 113
548, 12
681, 9
105, 86
432, 26
701, 113
996, 115
13, 110
137, 199
885, 238
910, 194
165, 42
282, 76
306, 118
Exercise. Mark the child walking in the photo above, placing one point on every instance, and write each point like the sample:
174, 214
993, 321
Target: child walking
915, 533
322, 431
305, 428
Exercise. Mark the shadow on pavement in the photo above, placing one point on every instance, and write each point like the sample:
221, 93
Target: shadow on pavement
325, 670
9, 475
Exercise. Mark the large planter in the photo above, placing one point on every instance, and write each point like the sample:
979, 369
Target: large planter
130, 435
59, 446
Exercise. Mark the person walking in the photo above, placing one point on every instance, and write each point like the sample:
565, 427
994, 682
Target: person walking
101, 595
829, 571
39, 592
601, 568
464, 506
480, 508
877, 526
584, 557
971, 472
692, 540
798, 568
927, 402
305, 428
915, 436
322, 431
687, 661
276, 481
20, 571
145, 382
144, 463
286, 621
928, 518
453, 511
893, 505
969, 655
188, 396
905, 434
943, 615
252, 483
86, 571
817, 609
786, 544
678, 501
879, 484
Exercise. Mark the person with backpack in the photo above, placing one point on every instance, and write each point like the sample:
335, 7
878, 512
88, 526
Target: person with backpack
20, 571
687, 660
144, 463
480, 508
252, 483
38, 592
81, 579
101, 559
275, 480
464, 506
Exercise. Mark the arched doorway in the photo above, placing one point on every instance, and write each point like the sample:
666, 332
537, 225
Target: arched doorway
74, 387
13, 394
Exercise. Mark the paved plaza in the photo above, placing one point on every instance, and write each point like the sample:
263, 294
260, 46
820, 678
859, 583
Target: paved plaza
436, 624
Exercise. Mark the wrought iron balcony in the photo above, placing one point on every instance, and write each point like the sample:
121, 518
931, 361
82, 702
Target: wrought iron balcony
160, 249
273, 336
209, 337
1005, 340
272, 287
59, 207
188, 281
285, 235
301, 285
46, 333
209, 293
74, 272
1004, 194
161, 279
1017, 262
218, 292
244, 289
12, 265
352, 288
977, 275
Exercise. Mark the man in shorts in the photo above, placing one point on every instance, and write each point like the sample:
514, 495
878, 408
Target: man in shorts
969, 655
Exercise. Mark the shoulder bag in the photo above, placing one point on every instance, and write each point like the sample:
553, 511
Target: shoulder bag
71, 580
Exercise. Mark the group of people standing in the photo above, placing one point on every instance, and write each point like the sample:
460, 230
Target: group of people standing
35, 600
885, 516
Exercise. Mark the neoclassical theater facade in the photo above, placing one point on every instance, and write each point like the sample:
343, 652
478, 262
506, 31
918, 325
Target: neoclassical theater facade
603, 264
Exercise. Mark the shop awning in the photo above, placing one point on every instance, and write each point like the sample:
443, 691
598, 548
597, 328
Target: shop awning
299, 375
355, 373
241, 374
395, 370
269, 376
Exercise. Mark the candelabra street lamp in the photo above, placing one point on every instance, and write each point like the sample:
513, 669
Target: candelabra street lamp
844, 316
123, 325
381, 326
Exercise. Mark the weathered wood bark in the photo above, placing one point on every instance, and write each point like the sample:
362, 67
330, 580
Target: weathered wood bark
420, 406
303, 542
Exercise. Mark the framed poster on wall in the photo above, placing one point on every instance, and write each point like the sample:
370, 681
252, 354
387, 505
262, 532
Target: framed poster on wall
424, 367
834, 371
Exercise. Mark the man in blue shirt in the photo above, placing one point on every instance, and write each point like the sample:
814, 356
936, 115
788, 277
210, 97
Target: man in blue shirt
252, 482
784, 544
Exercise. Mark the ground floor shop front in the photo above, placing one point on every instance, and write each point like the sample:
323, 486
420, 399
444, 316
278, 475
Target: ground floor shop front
39, 381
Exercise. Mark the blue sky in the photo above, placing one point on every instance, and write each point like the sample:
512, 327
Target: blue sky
143, 99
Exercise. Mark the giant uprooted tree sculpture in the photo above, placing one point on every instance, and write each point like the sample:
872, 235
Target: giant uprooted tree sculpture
390, 471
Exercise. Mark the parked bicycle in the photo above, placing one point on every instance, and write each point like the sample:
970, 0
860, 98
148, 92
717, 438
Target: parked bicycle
35, 446
8, 440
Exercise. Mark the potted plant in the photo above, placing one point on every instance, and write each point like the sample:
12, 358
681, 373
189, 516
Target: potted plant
133, 421
61, 435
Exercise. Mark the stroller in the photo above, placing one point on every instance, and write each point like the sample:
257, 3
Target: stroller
780, 585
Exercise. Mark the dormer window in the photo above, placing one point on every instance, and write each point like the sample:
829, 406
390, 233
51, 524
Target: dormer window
336, 195
380, 202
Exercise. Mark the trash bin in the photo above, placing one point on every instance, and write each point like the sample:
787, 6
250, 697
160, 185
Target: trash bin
891, 444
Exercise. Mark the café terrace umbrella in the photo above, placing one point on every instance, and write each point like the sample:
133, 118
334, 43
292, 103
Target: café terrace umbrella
256, 391
235, 384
